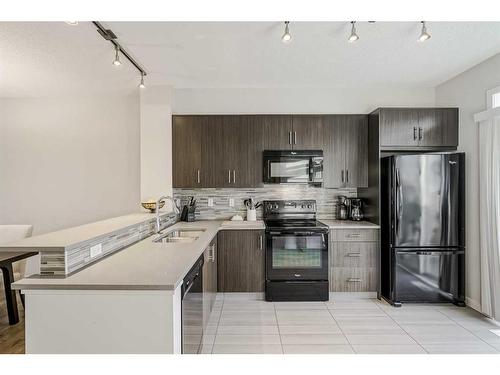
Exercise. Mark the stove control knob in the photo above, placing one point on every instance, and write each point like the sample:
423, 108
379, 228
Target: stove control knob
303, 206
276, 207
309, 206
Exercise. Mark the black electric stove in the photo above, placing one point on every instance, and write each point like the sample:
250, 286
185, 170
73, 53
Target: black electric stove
296, 252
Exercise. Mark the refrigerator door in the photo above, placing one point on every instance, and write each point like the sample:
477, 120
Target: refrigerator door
425, 275
427, 200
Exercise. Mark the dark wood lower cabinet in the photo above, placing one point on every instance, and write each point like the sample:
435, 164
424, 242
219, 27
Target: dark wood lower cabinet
240, 261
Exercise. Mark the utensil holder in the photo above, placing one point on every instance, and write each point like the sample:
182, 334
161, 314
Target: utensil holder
251, 215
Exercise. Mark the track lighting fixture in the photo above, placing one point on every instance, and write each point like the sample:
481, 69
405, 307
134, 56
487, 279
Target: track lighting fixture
117, 61
72, 23
287, 37
142, 85
353, 37
424, 35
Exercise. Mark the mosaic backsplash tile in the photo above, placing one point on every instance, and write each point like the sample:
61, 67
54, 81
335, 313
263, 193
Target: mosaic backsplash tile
326, 199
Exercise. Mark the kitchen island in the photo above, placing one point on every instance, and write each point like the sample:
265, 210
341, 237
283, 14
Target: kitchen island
127, 302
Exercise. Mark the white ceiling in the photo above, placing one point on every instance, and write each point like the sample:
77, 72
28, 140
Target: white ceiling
38, 57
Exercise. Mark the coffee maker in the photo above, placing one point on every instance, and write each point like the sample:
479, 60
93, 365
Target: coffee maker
356, 210
343, 212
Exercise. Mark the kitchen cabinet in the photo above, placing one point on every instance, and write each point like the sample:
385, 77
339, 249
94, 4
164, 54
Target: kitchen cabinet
345, 145
307, 132
209, 280
187, 134
418, 128
240, 261
354, 260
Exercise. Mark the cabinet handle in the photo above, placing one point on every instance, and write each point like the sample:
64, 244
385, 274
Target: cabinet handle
294, 138
261, 242
212, 253
354, 280
234, 176
420, 135
342, 175
414, 133
347, 175
198, 176
353, 235
229, 175
289, 138
354, 255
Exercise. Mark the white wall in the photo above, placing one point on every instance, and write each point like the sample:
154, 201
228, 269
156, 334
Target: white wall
66, 161
297, 100
156, 142
468, 92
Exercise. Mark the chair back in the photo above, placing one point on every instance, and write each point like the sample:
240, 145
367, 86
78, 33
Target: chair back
13, 233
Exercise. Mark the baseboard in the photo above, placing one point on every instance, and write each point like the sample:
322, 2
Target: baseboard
351, 295
473, 304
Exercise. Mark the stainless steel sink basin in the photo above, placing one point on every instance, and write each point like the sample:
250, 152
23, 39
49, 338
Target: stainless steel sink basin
179, 236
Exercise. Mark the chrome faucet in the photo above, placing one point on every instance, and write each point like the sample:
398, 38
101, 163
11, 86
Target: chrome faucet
174, 206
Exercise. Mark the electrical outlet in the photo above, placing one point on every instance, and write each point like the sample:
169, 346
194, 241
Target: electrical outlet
231, 202
210, 202
95, 250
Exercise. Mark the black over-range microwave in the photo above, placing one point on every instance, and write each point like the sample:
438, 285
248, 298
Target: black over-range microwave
293, 167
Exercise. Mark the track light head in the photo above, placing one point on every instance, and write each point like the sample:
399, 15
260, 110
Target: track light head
142, 85
354, 36
72, 23
287, 37
424, 35
117, 61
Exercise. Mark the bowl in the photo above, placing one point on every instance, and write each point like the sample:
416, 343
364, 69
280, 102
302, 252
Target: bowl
151, 206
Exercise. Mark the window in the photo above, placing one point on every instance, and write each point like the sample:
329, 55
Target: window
493, 97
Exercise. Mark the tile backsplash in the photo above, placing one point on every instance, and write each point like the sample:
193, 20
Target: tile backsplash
326, 199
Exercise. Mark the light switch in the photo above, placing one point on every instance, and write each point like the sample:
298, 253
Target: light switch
231, 202
95, 250
210, 202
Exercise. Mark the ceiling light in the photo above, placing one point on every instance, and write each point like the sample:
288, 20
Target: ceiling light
117, 56
286, 38
353, 37
424, 35
72, 23
142, 85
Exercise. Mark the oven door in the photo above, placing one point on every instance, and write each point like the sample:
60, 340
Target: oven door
293, 167
296, 255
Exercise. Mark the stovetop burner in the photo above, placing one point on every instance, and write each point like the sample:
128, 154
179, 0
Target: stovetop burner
292, 214
294, 223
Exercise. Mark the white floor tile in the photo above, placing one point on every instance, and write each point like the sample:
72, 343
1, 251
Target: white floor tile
311, 329
400, 339
247, 339
486, 335
358, 313
304, 339
246, 349
388, 349
318, 349
480, 348
300, 306
450, 338
248, 330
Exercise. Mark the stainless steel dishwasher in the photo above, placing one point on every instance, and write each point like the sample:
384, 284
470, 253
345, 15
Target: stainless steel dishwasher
192, 309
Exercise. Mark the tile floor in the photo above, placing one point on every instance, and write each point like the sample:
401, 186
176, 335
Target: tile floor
244, 323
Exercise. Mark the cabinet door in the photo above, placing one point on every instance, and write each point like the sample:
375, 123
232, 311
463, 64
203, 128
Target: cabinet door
187, 150
398, 127
430, 127
355, 141
307, 132
277, 131
449, 121
240, 261
253, 134
214, 164
333, 152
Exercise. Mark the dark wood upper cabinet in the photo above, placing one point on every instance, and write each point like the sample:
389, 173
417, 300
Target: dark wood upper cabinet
418, 128
187, 134
277, 131
307, 132
333, 151
240, 261
355, 140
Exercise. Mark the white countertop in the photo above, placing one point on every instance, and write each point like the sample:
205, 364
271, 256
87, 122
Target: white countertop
349, 224
146, 265
73, 236
242, 224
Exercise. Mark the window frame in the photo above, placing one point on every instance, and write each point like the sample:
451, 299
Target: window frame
489, 97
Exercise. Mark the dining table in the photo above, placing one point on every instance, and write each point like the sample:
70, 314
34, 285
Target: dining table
7, 258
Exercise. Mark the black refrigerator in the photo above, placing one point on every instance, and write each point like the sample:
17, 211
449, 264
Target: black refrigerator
423, 228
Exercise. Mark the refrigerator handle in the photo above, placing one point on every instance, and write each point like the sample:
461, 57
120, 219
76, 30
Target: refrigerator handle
398, 201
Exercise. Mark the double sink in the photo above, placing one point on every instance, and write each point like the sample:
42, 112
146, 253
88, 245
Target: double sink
179, 236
